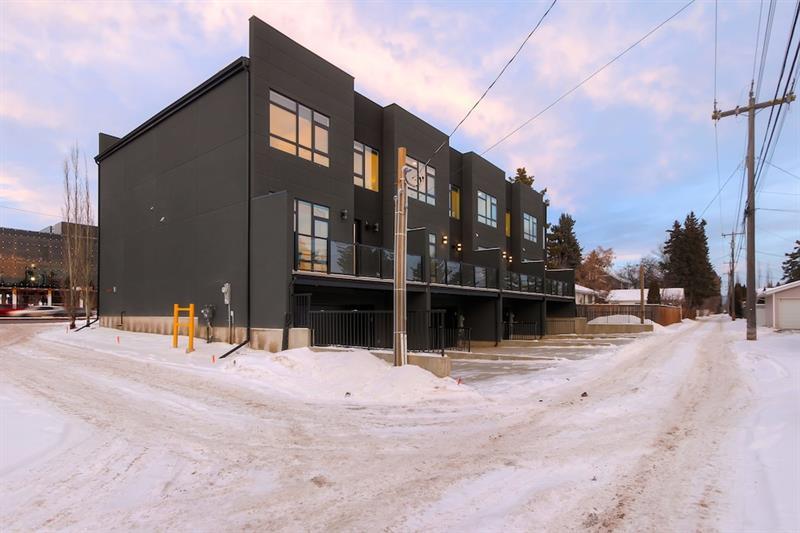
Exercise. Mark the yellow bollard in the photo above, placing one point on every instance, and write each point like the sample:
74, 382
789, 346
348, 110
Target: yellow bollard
175, 326
190, 348
176, 309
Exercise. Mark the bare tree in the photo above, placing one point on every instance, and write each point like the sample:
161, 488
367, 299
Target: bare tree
78, 220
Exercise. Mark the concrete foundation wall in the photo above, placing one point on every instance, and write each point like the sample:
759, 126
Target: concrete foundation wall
436, 365
260, 338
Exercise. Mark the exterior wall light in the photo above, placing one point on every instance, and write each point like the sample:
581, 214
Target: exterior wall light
444, 239
458, 247
344, 214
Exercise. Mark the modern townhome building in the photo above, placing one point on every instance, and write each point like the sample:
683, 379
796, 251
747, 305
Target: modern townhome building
277, 177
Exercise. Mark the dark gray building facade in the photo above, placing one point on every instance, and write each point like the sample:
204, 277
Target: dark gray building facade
277, 177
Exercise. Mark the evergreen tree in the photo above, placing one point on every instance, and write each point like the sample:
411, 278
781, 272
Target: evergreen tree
563, 248
686, 263
654, 292
791, 267
522, 177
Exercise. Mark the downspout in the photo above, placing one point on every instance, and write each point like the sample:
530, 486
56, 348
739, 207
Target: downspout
249, 179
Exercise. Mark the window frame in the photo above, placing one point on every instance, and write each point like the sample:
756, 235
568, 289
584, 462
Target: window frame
363, 175
490, 205
530, 228
312, 236
318, 124
425, 189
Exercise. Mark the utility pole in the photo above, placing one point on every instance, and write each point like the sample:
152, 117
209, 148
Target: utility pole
750, 208
731, 267
399, 344
641, 292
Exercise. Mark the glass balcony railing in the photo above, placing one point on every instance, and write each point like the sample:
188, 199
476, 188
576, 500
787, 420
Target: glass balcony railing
462, 274
359, 260
366, 261
514, 281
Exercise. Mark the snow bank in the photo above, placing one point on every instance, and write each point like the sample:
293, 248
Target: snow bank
301, 374
29, 430
767, 472
619, 319
354, 376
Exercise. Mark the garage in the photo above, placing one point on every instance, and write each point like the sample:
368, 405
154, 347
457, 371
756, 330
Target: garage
782, 306
788, 315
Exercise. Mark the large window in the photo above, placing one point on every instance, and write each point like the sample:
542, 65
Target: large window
455, 202
365, 166
529, 229
487, 209
422, 182
311, 229
298, 130
432, 245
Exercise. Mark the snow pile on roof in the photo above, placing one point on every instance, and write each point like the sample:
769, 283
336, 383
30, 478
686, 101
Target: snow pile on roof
580, 289
356, 376
632, 295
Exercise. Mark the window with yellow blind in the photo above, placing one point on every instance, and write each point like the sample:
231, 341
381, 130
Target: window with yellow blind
455, 202
508, 223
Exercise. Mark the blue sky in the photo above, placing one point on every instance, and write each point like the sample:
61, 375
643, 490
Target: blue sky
626, 154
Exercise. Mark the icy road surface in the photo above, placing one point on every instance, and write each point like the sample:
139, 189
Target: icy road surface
687, 429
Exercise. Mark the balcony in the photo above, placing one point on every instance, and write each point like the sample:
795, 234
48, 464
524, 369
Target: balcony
559, 288
460, 274
358, 260
372, 262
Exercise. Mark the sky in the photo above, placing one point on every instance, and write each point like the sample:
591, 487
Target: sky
626, 154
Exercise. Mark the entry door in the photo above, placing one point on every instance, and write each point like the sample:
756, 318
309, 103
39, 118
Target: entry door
788, 313
357, 231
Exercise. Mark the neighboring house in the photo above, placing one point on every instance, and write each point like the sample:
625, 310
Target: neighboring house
585, 295
277, 177
781, 308
669, 296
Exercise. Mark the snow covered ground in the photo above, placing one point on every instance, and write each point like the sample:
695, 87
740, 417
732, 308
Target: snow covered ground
687, 428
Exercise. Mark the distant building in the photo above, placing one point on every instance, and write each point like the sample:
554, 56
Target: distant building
585, 295
33, 267
669, 296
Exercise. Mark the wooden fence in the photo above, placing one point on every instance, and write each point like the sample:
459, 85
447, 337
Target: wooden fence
660, 314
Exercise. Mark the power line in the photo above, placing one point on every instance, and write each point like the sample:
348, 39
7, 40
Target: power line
778, 210
795, 176
765, 47
29, 211
716, 131
508, 63
719, 191
592, 75
766, 143
758, 38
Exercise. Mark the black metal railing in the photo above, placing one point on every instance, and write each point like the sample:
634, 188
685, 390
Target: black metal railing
301, 307
458, 339
372, 329
522, 330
